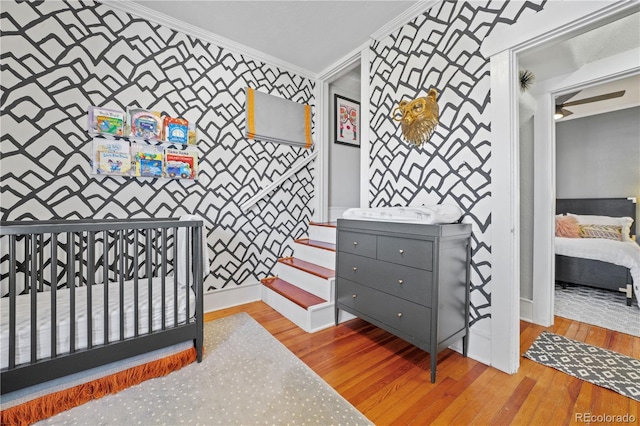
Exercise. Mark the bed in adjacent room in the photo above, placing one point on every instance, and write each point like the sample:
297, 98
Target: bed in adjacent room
595, 244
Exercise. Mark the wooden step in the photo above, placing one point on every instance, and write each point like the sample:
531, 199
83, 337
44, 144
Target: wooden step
309, 267
315, 243
326, 224
297, 295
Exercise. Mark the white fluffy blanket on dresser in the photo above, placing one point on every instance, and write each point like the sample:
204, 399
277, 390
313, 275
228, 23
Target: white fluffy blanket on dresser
440, 213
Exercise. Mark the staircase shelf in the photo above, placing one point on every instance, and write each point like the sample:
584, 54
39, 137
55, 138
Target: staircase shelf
303, 288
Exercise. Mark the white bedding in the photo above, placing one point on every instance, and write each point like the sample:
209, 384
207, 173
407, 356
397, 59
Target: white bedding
441, 213
23, 321
621, 253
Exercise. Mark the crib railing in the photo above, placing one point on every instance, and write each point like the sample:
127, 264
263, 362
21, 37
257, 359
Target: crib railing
113, 257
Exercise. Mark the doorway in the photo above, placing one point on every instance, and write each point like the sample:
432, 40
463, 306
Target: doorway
557, 21
344, 159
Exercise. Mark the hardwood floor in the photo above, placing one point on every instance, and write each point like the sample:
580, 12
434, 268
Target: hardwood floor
388, 379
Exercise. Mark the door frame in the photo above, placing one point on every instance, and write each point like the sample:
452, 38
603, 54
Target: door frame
323, 132
556, 22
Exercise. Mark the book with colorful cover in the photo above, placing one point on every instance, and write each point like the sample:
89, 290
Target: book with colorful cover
181, 163
106, 121
111, 157
148, 160
142, 123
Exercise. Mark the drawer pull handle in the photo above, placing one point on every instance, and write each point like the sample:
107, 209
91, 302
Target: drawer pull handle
354, 296
355, 243
401, 251
400, 282
399, 314
355, 269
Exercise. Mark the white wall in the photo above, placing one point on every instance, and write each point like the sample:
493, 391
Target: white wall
599, 156
344, 163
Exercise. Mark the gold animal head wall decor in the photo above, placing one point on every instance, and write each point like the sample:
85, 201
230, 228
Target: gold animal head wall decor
418, 118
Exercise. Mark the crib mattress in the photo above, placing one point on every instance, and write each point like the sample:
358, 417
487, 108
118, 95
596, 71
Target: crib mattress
64, 317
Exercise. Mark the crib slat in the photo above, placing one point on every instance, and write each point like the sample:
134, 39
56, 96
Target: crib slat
91, 277
198, 273
148, 238
34, 295
54, 293
72, 291
175, 277
136, 271
121, 281
105, 285
187, 269
12, 301
164, 275
41, 263
80, 252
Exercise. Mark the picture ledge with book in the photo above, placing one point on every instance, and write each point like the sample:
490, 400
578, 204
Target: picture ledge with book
142, 143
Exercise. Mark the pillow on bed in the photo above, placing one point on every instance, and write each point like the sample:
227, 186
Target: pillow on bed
609, 232
567, 227
622, 222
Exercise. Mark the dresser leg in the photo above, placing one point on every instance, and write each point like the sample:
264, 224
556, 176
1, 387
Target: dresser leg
465, 345
434, 360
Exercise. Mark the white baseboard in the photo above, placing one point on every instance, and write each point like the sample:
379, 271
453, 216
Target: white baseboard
479, 346
234, 296
526, 309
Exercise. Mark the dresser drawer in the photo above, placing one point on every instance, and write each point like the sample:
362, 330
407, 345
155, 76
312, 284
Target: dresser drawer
401, 281
402, 315
356, 243
404, 251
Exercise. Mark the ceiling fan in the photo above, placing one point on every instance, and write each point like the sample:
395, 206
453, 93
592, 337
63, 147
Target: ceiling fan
561, 102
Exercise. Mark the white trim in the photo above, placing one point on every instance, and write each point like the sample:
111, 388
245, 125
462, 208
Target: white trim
365, 107
151, 15
558, 19
544, 207
505, 215
340, 68
232, 296
321, 181
343, 65
526, 309
479, 345
408, 15
283, 177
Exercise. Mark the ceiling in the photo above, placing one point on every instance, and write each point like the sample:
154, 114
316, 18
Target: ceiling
312, 35
599, 44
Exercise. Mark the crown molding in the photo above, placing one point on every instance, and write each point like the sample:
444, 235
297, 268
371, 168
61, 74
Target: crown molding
342, 64
144, 12
408, 15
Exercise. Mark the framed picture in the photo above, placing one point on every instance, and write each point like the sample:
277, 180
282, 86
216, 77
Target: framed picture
347, 121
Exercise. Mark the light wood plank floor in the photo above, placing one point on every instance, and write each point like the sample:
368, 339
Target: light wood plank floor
388, 379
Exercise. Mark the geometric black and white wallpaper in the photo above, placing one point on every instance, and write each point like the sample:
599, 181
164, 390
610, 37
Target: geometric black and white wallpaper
441, 49
58, 58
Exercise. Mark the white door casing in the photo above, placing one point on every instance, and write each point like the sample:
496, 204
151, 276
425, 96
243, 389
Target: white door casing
558, 21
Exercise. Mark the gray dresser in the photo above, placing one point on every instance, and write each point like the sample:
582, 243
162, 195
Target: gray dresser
409, 279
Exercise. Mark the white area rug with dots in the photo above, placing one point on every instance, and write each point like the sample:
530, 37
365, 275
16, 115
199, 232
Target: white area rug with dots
247, 377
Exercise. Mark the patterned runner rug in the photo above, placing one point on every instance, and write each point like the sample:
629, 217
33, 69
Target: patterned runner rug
599, 366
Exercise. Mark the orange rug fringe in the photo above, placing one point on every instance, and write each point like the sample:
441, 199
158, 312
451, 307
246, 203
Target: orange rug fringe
57, 402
